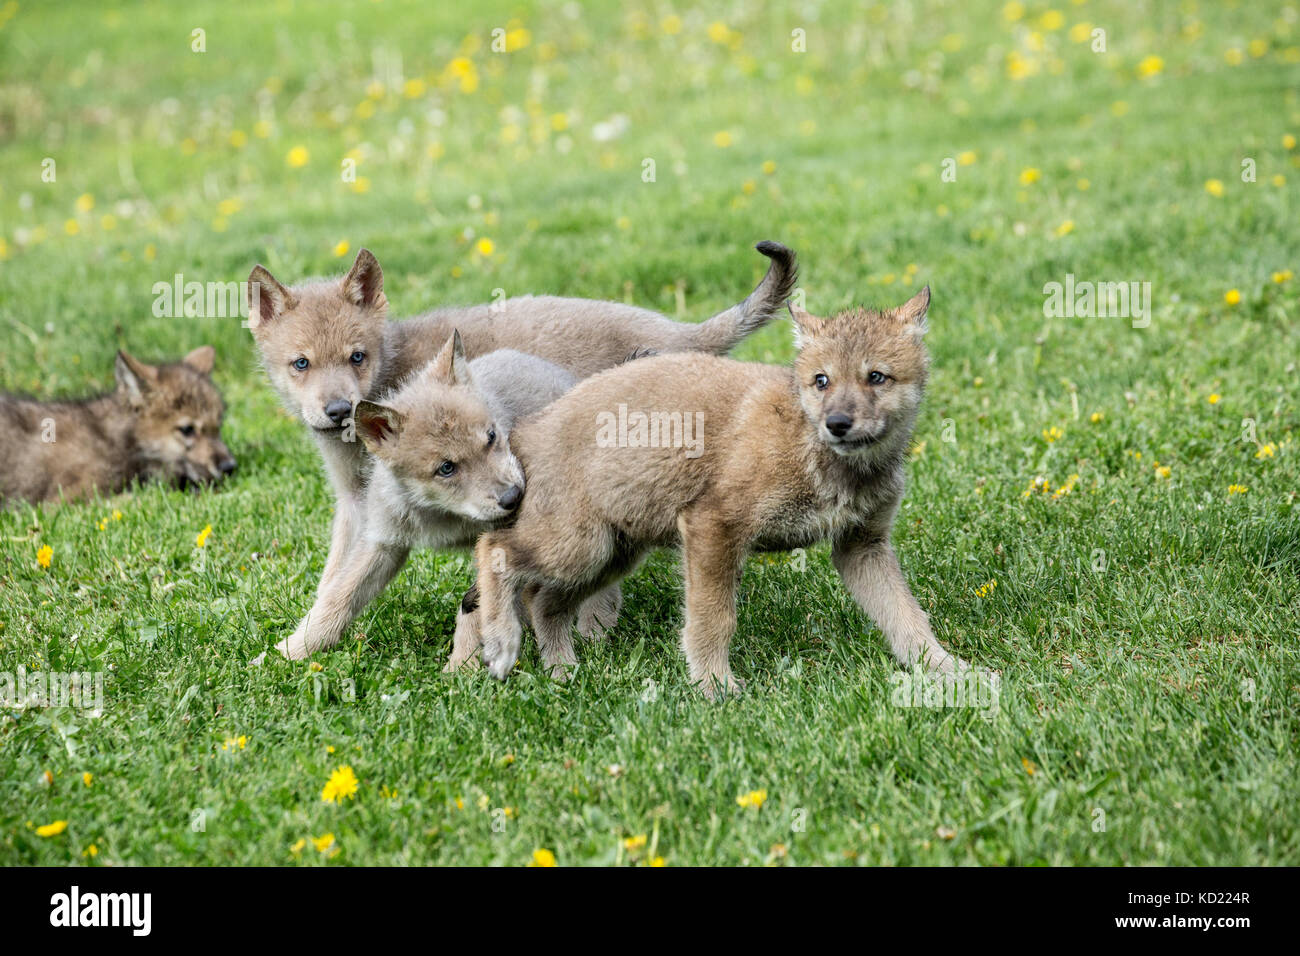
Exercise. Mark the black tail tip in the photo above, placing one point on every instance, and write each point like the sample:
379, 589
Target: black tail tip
774, 250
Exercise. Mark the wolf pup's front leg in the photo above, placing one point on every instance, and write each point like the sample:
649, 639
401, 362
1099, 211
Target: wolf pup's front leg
361, 576
498, 611
869, 568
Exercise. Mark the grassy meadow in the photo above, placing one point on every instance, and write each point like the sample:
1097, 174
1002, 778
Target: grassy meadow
1102, 509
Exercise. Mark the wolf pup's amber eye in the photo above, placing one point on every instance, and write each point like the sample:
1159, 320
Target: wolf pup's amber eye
821, 381
446, 469
492, 437
358, 357
876, 378
186, 430
301, 364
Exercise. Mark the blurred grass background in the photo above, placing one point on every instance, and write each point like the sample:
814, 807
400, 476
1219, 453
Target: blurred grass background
1124, 690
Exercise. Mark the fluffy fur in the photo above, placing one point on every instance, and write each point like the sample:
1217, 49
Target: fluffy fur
352, 352
442, 473
161, 423
787, 458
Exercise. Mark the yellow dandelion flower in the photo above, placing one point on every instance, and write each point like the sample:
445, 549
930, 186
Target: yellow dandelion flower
299, 846
297, 157
634, 843
44, 555
1282, 276
413, 89
1053, 434
1233, 57
1051, 20
342, 785
1065, 228
87, 778
1232, 296
1163, 471
754, 799
1095, 417
485, 246
1031, 768
91, 851
656, 861
72, 227
1029, 176
543, 857
85, 202
967, 157
671, 25
718, 32
1237, 489
238, 138
1288, 141
52, 829
323, 842
1214, 397
1266, 451
769, 167
1013, 11
1150, 66
722, 139
1214, 187
341, 248
201, 540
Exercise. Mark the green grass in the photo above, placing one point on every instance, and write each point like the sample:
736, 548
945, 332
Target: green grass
1160, 690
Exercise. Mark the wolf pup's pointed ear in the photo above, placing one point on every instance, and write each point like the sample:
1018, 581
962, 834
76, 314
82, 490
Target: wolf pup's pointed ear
806, 326
364, 283
913, 312
134, 378
267, 299
201, 359
376, 424
451, 366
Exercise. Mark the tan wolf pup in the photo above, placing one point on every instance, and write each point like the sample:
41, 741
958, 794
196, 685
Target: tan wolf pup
328, 344
161, 423
782, 458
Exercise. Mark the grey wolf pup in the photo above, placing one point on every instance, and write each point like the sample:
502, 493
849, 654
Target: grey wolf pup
161, 423
328, 344
442, 473
788, 457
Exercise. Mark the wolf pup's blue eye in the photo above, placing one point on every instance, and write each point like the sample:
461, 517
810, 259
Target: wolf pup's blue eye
876, 378
821, 381
358, 357
301, 364
447, 469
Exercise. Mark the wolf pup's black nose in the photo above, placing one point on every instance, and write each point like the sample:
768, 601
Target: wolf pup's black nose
226, 466
510, 498
838, 424
338, 410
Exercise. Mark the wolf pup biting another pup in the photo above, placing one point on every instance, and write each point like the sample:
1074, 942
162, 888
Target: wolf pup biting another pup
327, 345
162, 423
788, 457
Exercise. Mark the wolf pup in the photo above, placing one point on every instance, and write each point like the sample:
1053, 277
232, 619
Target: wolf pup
327, 344
163, 423
781, 459
442, 473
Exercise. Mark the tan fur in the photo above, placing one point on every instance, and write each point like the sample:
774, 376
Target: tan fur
162, 423
330, 322
769, 475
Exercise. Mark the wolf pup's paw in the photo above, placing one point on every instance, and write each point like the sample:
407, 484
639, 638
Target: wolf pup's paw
716, 688
294, 647
500, 658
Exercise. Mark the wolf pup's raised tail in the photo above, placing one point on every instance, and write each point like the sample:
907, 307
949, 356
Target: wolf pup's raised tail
724, 331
